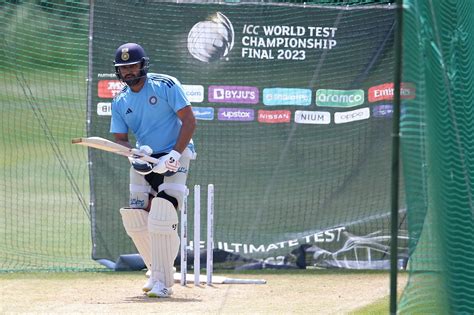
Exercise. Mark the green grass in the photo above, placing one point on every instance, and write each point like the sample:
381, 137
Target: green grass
381, 306
42, 222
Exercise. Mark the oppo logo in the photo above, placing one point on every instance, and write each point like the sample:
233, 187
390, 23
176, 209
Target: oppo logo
354, 115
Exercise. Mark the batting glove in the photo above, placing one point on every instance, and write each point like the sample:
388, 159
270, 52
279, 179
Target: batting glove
168, 164
143, 150
140, 166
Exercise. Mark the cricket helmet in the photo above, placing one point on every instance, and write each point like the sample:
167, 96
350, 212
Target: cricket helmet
129, 54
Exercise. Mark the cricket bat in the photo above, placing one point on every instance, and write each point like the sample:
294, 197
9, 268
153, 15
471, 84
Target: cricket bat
110, 146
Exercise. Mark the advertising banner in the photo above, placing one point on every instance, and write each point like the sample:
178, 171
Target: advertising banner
294, 106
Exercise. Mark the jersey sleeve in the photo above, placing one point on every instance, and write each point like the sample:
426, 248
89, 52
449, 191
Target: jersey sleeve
117, 124
177, 97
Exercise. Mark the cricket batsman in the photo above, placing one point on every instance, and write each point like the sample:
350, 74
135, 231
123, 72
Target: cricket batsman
155, 109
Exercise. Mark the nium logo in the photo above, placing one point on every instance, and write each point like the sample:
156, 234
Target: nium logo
109, 88
286, 96
384, 92
354, 115
239, 114
312, 117
104, 109
339, 98
194, 93
203, 113
233, 94
274, 116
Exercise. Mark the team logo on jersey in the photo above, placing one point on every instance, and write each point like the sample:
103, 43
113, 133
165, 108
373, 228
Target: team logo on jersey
153, 100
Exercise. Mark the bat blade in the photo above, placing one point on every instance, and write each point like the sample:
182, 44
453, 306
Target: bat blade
110, 146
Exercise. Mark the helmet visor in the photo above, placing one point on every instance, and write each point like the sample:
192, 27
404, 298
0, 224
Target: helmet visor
119, 64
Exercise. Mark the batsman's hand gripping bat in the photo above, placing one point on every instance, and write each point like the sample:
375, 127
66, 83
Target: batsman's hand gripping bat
110, 146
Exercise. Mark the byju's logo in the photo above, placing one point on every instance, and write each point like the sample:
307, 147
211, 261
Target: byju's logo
285, 96
203, 113
339, 98
194, 93
211, 40
240, 114
233, 94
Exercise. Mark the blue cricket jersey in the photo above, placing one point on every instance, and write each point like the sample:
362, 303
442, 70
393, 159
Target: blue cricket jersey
151, 113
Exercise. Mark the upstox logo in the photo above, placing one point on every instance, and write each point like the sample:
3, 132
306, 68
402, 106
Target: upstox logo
286, 96
237, 114
339, 98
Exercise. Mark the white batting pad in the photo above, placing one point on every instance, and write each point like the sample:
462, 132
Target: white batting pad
163, 228
135, 222
175, 185
139, 190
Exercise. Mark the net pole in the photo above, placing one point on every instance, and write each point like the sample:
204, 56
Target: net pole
396, 157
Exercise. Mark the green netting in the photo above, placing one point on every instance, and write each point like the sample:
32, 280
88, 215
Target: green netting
342, 179
325, 201
437, 153
331, 201
44, 186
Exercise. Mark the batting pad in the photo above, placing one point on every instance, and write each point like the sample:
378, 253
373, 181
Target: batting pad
163, 228
139, 190
135, 222
175, 185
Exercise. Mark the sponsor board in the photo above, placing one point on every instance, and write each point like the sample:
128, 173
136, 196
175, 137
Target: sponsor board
203, 113
104, 109
233, 94
312, 117
339, 98
353, 115
382, 110
384, 92
109, 88
274, 116
194, 93
236, 114
286, 96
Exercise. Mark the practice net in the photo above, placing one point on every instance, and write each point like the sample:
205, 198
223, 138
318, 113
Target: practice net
294, 121
294, 109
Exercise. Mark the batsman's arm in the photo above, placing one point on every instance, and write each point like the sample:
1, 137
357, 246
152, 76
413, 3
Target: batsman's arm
187, 128
122, 138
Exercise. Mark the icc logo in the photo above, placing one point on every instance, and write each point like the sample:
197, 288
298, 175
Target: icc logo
211, 40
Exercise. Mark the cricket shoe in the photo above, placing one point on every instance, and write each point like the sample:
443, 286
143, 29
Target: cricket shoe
160, 291
148, 285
